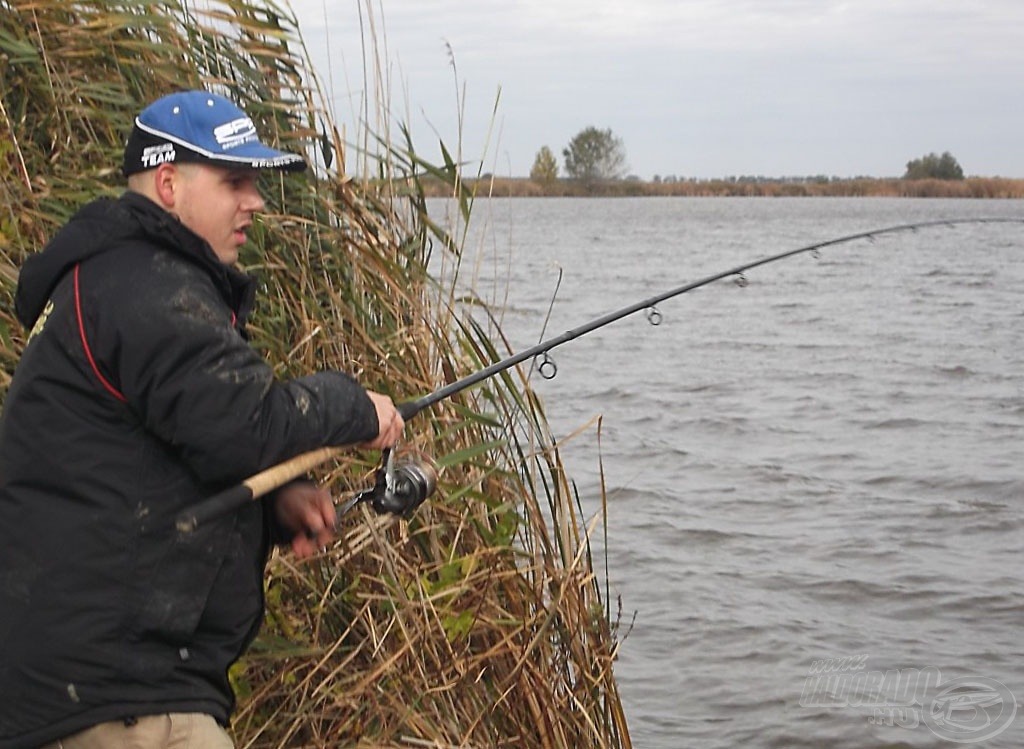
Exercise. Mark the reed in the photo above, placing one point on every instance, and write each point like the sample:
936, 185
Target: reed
480, 622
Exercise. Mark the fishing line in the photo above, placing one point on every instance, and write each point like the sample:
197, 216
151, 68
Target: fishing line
399, 490
546, 373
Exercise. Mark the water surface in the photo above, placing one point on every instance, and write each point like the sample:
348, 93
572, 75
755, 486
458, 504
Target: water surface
822, 465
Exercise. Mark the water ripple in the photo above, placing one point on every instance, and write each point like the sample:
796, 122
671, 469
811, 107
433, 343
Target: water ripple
824, 464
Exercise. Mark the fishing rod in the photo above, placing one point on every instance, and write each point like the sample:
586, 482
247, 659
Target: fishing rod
401, 489
547, 367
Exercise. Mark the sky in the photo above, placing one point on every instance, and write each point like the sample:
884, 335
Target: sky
693, 88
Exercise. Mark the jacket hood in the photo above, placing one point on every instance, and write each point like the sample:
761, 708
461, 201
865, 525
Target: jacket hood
103, 225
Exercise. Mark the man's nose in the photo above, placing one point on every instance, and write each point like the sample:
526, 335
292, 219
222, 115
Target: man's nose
253, 199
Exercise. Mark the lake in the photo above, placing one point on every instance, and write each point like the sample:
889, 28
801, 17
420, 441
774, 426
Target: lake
815, 487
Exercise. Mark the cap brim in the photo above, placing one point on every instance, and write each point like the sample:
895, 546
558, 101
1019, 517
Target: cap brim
252, 155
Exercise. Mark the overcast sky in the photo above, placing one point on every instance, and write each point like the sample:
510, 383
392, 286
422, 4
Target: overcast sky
695, 88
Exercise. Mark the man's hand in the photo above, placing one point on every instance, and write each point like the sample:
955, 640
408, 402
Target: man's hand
305, 509
390, 422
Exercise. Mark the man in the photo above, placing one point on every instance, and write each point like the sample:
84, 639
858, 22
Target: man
137, 396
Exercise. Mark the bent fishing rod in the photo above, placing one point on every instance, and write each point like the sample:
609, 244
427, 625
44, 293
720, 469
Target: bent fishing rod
400, 490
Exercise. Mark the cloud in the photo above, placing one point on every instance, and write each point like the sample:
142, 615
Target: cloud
707, 87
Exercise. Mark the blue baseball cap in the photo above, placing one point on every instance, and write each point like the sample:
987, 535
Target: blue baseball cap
200, 127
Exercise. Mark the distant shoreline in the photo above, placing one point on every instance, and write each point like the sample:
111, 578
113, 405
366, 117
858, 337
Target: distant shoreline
971, 187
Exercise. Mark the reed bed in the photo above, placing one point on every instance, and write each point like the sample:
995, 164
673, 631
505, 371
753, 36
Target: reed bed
479, 622
858, 187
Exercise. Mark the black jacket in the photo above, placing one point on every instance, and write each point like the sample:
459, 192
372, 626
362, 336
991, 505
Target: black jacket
138, 396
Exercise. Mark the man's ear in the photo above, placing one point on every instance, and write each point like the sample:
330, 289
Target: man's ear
166, 184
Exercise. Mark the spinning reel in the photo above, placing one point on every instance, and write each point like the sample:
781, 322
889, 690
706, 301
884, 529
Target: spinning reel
397, 489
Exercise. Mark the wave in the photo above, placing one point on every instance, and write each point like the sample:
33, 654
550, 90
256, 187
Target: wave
897, 423
957, 372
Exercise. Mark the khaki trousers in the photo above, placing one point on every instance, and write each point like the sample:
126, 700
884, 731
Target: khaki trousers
173, 731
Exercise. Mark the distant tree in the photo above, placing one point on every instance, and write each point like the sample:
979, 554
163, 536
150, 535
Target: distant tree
545, 167
594, 155
933, 166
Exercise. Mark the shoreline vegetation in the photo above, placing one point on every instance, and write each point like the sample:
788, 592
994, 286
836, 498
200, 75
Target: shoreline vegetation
485, 620
783, 187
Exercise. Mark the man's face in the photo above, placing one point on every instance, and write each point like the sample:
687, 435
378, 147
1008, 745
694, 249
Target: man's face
217, 204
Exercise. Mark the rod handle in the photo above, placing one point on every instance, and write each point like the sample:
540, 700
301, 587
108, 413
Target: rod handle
252, 488
266, 481
214, 507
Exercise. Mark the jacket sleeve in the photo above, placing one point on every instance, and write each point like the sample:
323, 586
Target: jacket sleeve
197, 384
